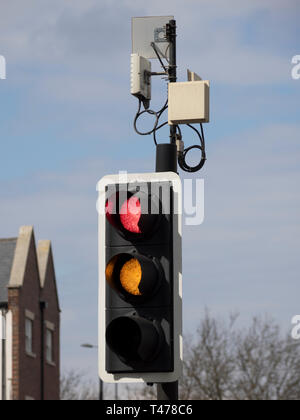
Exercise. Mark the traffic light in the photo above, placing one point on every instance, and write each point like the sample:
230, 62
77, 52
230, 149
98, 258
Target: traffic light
140, 292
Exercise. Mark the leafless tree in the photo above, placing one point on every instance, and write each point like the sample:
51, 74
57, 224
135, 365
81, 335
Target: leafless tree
209, 360
141, 392
226, 362
268, 366
74, 386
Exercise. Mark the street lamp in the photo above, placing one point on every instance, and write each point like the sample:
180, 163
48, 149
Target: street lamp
90, 346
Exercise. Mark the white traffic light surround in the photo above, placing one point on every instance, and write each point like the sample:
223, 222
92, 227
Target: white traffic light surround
177, 280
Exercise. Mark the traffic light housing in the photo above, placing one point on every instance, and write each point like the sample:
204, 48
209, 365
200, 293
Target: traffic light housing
140, 290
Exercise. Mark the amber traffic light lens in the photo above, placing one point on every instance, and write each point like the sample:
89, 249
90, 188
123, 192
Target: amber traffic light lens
133, 275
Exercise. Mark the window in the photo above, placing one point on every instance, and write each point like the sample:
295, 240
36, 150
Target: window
29, 336
49, 346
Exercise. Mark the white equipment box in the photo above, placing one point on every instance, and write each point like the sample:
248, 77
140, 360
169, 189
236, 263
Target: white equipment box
189, 102
140, 77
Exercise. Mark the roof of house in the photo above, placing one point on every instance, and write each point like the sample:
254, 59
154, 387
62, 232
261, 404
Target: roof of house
14, 258
7, 252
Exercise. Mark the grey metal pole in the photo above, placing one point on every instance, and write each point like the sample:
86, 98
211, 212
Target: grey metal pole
100, 389
167, 391
101, 385
3, 326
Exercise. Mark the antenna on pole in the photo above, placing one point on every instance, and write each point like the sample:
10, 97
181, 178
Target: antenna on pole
154, 38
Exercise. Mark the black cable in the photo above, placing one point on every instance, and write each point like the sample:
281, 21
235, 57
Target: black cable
157, 115
182, 156
146, 111
158, 128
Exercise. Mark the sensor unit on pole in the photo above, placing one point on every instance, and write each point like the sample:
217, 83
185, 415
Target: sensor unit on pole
189, 101
140, 77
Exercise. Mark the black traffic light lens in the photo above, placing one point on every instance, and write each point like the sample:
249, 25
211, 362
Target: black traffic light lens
133, 275
133, 338
133, 214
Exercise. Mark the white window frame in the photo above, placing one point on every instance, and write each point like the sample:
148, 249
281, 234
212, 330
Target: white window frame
29, 335
29, 328
50, 346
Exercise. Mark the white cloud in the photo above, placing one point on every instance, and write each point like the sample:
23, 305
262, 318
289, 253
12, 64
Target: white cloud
93, 35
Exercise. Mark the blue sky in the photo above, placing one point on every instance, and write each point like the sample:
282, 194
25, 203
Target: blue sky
66, 120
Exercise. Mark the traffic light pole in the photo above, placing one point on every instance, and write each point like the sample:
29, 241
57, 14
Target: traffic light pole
171, 35
166, 161
166, 154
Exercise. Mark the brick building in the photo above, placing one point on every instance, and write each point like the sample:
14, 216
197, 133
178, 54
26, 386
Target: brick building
29, 320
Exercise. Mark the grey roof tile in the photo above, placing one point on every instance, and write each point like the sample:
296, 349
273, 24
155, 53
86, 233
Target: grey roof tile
7, 251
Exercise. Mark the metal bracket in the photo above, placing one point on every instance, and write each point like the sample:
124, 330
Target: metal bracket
179, 144
147, 77
159, 54
157, 35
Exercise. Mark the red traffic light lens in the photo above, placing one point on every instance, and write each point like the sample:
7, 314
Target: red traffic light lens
109, 210
135, 214
130, 214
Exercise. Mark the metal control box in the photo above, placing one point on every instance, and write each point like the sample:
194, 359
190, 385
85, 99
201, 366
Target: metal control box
189, 102
140, 77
